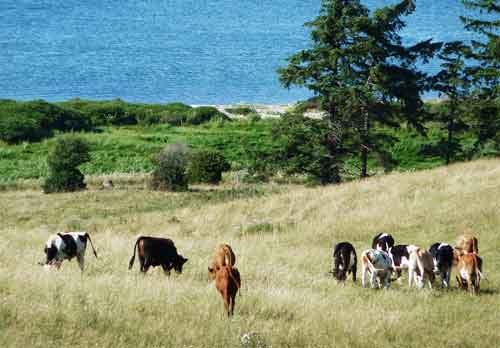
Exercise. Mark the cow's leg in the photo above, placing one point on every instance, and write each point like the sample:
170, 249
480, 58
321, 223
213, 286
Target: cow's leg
81, 261
447, 277
225, 299
233, 298
363, 276
353, 270
141, 263
145, 266
166, 270
410, 276
373, 279
387, 281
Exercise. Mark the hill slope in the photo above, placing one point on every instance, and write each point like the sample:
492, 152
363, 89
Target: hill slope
283, 241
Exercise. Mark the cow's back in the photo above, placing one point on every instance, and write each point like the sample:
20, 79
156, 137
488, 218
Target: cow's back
157, 250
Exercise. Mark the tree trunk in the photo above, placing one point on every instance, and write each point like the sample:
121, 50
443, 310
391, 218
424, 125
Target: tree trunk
449, 142
365, 146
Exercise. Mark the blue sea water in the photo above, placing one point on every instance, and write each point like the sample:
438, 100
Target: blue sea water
193, 51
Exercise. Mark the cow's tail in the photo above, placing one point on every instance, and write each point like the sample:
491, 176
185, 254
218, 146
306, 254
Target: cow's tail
92, 245
132, 259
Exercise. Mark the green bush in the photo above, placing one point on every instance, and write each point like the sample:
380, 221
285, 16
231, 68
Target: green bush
204, 114
170, 171
241, 110
35, 120
63, 161
302, 148
102, 113
207, 166
174, 114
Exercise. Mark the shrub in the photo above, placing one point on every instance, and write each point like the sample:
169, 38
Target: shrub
204, 114
170, 169
63, 161
35, 120
206, 166
304, 146
240, 110
174, 114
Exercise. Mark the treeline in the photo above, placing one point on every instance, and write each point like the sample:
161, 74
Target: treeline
367, 81
38, 119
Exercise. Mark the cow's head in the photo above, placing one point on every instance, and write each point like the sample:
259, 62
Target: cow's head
51, 253
178, 263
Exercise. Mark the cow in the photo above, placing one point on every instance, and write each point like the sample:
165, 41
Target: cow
223, 256
228, 281
379, 264
469, 270
442, 255
382, 241
65, 246
468, 244
153, 251
400, 255
344, 261
420, 268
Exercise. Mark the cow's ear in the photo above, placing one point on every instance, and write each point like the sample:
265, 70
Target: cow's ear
184, 260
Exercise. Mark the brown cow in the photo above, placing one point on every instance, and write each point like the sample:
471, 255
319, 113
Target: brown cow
228, 281
223, 256
468, 244
469, 272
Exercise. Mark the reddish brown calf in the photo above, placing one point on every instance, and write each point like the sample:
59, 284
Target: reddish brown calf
228, 281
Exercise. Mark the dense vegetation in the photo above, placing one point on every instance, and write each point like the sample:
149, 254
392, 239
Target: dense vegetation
366, 82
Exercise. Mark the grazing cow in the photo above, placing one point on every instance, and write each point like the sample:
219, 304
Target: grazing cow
379, 264
223, 256
65, 246
420, 268
383, 241
228, 281
468, 244
442, 255
469, 270
400, 255
154, 252
344, 261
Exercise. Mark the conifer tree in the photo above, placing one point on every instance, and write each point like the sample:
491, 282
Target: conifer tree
454, 83
364, 76
485, 74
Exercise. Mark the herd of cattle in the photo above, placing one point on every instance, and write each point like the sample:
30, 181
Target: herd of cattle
385, 258
380, 262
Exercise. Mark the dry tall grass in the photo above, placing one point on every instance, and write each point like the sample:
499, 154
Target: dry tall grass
283, 244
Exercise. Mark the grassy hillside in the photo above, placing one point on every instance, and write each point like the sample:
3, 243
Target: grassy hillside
283, 242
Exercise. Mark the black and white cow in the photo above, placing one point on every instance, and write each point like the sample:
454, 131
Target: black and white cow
442, 255
383, 241
65, 246
344, 261
153, 251
400, 255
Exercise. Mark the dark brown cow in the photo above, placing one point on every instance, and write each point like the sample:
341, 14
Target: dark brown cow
223, 256
228, 281
157, 252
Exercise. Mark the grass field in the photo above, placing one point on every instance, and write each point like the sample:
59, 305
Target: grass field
283, 239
